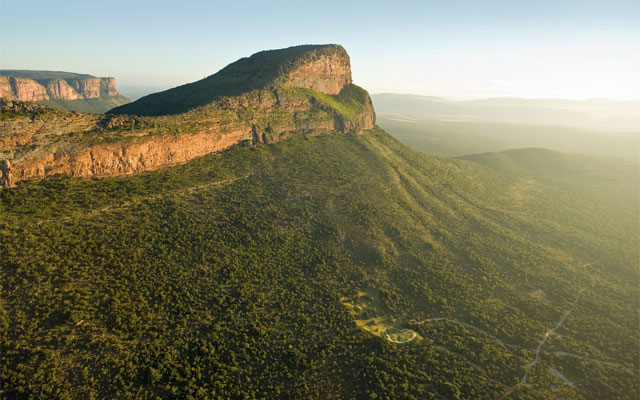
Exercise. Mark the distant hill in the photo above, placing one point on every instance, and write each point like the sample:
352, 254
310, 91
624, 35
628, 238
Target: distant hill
324, 68
455, 128
593, 114
64, 90
560, 167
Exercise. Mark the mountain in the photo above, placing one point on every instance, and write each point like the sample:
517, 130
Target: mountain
592, 114
338, 263
456, 128
323, 68
309, 93
65, 90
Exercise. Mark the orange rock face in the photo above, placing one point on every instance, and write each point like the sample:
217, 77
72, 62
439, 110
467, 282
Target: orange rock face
127, 158
109, 85
90, 87
326, 74
5, 88
22, 89
14, 88
60, 89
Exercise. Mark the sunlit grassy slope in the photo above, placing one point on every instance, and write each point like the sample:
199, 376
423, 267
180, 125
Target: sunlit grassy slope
223, 277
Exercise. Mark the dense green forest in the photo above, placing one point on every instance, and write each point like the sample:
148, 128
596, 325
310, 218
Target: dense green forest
237, 275
95, 106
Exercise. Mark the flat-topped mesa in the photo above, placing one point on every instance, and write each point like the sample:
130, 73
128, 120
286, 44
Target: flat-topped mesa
323, 68
28, 85
265, 98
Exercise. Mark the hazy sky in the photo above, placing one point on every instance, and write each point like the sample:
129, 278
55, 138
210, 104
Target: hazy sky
532, 48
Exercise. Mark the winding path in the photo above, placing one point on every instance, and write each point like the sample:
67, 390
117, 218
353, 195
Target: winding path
523, 381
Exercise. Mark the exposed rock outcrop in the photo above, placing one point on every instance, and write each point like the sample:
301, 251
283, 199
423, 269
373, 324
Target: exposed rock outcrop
22, 89
53, 88
60, 89
5, 87
6, 179
326, 74
127, 158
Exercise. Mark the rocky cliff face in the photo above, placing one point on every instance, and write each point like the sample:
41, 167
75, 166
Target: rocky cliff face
315, 96
326, 74
60, 89
25, 89
22, 88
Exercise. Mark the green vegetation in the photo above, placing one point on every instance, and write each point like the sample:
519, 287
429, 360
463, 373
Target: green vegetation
348, 106
350, 103
98, 105
223, 277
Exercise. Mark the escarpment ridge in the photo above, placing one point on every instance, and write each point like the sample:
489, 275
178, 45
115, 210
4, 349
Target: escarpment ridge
270, 96
49, 85
65, 90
